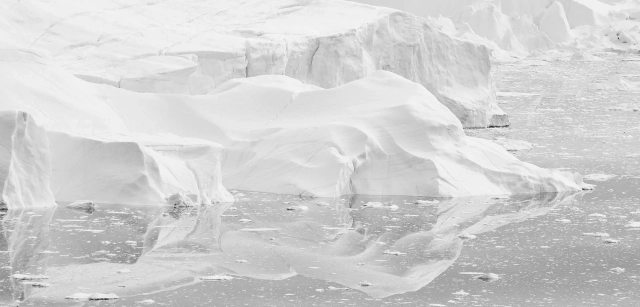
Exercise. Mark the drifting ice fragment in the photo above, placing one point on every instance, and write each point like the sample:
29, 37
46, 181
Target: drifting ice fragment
489, 277
216, 277
83, 205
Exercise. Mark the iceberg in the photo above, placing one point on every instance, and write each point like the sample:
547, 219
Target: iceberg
25, 162
380, 135
179, 47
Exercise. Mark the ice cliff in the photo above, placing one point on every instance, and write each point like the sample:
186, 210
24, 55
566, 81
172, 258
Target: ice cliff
25, 162
380, 135
191, 47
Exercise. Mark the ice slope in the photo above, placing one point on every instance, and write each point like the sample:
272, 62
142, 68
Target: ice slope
380, 135
25, 162
554, 23
325, 43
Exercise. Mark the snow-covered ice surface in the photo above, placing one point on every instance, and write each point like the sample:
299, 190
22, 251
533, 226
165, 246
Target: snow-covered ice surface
193, 46
380, 135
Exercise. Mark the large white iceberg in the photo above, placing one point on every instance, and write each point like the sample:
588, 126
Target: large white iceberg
381, 135
204, 43
25, 162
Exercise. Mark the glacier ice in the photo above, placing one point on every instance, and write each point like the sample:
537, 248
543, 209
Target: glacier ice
25, 162
192, 47
382, 134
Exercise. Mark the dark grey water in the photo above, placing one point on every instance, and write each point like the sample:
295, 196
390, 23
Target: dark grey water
394, 251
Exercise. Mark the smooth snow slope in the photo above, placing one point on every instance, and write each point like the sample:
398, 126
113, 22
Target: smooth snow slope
381, 135
192, 46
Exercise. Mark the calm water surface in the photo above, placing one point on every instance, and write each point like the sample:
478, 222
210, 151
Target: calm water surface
276, 250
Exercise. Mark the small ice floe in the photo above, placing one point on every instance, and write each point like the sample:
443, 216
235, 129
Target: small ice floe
259, 229
179, 200
323, 204
617, 270
146, 302
489, 277
103, 297
365, 284
36, 284
597, 215
29, 277
232, 209
130, 242
513, 145
216, 277
241, 261
598, 177
82, 205
611, 241
332, 288
461, 293
424, 202
92, 296
380, 206
633, 225
466, 236
245, 221
595, 234
124, 271
48, 252
319, 290
564, 221
297, 208
394, 253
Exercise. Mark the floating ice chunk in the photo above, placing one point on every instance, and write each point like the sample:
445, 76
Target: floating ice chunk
29, 277
83, 205
36, 284
394, 253
323, 204
564, 221
103, 297
466, 236
216, 277
598, 177
297, 208
146, 302
124, 271
633, 225
241, 261
427, 202
245, 221
596, 234
461, 293
611, 241
489, 277
180, 200
514, 145
365, 284
78, 296
597, 215
380, 205
617, 270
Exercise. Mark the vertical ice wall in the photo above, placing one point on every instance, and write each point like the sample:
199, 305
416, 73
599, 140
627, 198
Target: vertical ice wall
25, 162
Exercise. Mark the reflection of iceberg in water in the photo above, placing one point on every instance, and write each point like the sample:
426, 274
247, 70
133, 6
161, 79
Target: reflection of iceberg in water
25, 235
395, 251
